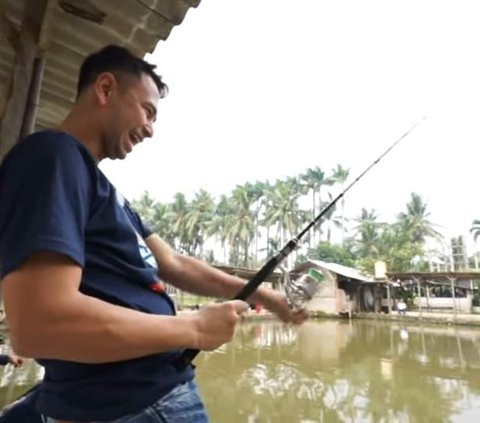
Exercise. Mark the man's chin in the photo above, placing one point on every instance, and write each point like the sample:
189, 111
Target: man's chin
118, 155
122, 153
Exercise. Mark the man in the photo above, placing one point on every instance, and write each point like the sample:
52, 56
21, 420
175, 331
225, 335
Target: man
81, 273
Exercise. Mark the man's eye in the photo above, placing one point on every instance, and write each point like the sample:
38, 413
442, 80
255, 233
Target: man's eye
152, 115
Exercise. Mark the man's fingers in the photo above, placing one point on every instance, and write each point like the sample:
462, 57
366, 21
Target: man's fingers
240, 306
299, 316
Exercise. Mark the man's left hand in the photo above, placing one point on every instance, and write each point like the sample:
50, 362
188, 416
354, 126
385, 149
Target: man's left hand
276, 302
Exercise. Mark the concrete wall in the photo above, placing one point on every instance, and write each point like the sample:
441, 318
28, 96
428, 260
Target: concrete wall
460, 304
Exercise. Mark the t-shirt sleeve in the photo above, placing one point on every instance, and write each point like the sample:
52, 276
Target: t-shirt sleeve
4, 359
45, 191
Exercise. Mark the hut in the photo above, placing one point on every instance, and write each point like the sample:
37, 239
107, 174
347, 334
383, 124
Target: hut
345, 290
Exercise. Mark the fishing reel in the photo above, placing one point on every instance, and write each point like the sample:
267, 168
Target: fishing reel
301, 290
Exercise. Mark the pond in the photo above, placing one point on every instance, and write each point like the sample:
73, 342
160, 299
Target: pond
330, 371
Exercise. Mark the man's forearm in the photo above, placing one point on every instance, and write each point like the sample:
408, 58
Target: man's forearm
92, 331
195, 276
200, 278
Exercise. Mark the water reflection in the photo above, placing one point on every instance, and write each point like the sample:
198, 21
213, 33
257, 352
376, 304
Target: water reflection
330, 371
14, 382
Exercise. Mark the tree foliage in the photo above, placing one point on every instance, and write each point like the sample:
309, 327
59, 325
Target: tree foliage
255, 220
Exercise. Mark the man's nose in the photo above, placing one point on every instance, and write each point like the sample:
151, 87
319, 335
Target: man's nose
147, 130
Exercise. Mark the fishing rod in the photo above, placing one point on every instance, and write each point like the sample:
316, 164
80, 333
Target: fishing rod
188, 355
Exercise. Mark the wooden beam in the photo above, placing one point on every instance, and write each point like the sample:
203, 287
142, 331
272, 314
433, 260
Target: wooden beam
33, 98
26, 50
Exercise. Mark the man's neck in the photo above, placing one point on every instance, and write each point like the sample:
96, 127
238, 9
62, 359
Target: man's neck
84, 132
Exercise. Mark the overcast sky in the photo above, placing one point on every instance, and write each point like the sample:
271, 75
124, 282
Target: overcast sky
264, 89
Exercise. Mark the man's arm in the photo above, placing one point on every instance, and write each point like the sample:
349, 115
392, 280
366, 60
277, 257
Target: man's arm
49, 317
198, 277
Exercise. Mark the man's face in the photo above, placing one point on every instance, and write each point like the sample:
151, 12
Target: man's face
132, 113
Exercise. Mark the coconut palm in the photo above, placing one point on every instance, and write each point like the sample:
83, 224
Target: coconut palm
331, 219
179, 209
198, 219
415, 220
314, 179
367, 233
475, 229
243, 228
340, 176
256, 194
144, 206
282, 210
221, 223
162, 222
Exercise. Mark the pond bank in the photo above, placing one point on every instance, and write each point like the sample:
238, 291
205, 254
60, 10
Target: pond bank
438, 318
460, 319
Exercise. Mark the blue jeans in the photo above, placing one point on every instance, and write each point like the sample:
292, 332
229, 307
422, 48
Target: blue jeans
181, 405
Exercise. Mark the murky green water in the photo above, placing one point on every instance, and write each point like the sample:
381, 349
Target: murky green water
331, 371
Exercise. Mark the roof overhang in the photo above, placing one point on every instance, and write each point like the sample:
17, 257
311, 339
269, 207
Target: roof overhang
64, 32
433, 275
338, 269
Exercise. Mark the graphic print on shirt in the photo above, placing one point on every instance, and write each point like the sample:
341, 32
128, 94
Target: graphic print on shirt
143, 249
145, 252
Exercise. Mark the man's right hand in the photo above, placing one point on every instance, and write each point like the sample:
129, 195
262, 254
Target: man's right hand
216, 323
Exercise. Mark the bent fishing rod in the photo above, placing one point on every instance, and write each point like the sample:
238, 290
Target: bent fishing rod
188, 355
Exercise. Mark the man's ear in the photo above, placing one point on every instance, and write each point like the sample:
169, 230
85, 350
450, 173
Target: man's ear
105, 85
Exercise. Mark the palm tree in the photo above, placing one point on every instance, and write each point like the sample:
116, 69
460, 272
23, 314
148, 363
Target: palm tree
162, 222
367, 233
340, 176
220, 225
314, 180
198, 220
243, 228
331, 219
144, 206
256, 194
475, 229
179, 209
283, 211
415, 220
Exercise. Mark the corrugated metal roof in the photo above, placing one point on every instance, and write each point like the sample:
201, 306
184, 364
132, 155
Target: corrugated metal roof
71, 30
339, 269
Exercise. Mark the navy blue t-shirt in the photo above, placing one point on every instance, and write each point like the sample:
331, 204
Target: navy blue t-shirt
53, 197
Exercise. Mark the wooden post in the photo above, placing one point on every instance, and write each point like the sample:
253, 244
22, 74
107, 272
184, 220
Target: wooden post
389, 297
419, 296
427, 294
454, 300
376, 306
26, 48
33, 99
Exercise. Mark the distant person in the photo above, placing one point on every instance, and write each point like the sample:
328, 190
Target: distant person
12, 359
401, 307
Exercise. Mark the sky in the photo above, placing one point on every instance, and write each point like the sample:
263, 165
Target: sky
265, 89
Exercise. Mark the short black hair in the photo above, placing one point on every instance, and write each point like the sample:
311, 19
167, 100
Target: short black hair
113, 58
